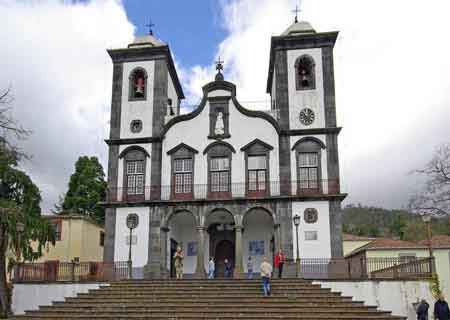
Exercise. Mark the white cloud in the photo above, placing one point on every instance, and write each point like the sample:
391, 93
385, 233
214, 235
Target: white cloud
391, 63
54, 58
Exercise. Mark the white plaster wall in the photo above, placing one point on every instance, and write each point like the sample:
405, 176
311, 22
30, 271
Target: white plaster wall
320, 248
172, 94
140, 249
142, 110
394, 296
148, 169
313, 99
243, 130
31, 296
323, 162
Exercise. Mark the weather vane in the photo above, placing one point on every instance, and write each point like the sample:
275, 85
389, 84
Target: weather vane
219, 65
150, 25
296, 11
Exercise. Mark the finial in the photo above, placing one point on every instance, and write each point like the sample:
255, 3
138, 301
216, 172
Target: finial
296, 11
150, 25
219, 68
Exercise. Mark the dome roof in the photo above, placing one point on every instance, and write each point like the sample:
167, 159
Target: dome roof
146, 41
298, 28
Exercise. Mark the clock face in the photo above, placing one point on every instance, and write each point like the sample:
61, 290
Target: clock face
307, 116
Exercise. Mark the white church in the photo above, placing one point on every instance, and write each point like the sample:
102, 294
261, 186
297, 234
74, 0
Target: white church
223, 181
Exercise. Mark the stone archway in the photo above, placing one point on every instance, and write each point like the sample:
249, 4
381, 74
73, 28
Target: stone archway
223, 250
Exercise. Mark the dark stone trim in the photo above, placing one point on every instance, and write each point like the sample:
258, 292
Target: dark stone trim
332, 157
284, 156
133, 148
282, 89
305, 41
149, 53
219, 143
156, 168
306, 139
336, 228
160, 94
132, 141
116, 101
220, 85
130, 84
180, 146
328, 87
303, 132
257, 142
110, 234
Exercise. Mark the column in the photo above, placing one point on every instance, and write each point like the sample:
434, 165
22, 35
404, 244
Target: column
164, 272
238, 268
153, 268
200, 269
277, 236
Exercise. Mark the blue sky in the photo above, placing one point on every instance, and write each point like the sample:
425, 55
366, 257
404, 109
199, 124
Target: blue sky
191, 28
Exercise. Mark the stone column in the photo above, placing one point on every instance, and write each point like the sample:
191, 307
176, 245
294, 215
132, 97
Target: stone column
238, 268
277, 236
164, 273
200, 269
153, 268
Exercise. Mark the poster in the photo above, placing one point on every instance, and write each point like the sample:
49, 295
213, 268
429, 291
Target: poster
256, 247
192, 249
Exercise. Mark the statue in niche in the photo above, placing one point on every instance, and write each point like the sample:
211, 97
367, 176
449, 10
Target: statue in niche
220, 126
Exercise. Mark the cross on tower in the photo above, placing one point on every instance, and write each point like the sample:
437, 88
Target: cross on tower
296, 11
150, 25
219, 65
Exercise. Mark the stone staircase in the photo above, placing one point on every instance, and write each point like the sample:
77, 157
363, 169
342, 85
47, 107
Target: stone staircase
213, 299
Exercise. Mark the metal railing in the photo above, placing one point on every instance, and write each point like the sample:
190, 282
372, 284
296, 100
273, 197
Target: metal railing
360, 268
54, 271
301, 188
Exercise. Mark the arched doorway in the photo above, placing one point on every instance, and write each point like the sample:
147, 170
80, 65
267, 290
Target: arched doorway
224, 250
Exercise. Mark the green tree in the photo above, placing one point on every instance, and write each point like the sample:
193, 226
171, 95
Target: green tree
87, 188
19, 203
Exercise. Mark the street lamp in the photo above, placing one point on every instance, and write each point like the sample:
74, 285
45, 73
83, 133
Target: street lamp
296, 220
132, 223
427, 220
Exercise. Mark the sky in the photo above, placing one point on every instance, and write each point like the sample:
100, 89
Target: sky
391, 71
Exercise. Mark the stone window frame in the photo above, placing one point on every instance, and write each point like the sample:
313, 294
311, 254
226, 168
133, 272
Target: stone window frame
133, 153
181, 151
298, 84
257, 148
219, 149
131, 83
217, 104
309, 145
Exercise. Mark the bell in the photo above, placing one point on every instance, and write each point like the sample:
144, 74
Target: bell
140, 85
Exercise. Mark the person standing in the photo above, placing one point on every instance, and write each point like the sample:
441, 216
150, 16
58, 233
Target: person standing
249, 268
422, 310
266, 273
228, 269
211, 268
178, 262
279, 263
441, 310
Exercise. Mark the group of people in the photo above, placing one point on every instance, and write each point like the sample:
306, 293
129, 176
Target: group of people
265, 268
441, 309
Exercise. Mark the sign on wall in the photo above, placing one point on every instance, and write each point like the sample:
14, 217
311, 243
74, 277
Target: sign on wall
256, 247
192, 248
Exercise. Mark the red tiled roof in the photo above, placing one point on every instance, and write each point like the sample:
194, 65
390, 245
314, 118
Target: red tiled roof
384, 243
352, 237
438, 241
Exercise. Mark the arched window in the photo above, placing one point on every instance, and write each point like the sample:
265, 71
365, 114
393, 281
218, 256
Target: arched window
135, 159
138, 84
305, 73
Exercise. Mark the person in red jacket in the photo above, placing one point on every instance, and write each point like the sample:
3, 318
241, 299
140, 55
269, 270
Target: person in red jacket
279, 263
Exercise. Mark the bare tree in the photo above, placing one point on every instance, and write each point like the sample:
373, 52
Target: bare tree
435, 196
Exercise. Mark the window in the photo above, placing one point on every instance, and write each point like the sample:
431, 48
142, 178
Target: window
310, 235
305, 73
183, 175
102, 239
138, 84
57, 227
308, 170
220, 174
257, 173
135, 171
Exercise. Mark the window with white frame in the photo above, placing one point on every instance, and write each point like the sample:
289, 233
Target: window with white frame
308, 169
135, 176
257, 173
183, 175
220, 174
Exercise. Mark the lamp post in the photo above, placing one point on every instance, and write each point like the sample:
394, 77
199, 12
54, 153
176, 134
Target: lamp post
296, 220
427, 220
132, 223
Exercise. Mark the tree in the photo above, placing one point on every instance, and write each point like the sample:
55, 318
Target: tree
19, 203
87, 188
435, 196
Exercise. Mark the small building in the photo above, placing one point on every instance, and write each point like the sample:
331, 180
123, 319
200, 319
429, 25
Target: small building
388, 248
351, 242
78, 238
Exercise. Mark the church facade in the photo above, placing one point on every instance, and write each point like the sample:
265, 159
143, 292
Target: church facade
223, 181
